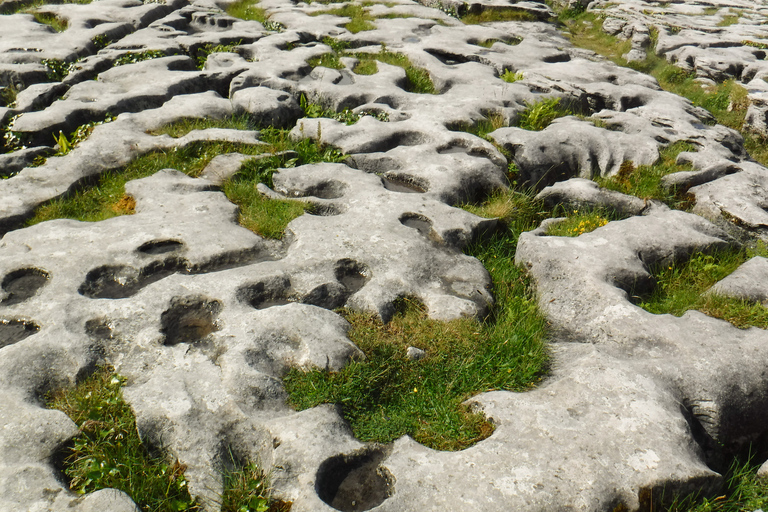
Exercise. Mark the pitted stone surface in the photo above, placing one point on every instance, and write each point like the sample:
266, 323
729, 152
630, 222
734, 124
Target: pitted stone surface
204, 317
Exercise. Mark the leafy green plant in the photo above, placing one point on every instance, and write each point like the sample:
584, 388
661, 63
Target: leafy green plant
680, 286
108, 452
58, 69
101, 41
491, 122
511, 76
539, 115
134, 57
645, 181
246, 489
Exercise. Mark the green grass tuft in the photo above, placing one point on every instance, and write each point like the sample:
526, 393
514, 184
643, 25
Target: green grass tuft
539, 115
108, 452
208, 49
360, 20
326, 60
52, 20
578, 222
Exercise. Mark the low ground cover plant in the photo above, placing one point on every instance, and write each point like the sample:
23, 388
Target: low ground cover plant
108, 453
491, 15
247, 10
645, 181
580, 221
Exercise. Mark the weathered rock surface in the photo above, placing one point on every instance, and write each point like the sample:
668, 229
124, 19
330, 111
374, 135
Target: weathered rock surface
204, 317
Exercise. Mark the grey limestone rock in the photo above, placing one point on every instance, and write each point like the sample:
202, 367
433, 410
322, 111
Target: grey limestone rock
748, 282
582, 193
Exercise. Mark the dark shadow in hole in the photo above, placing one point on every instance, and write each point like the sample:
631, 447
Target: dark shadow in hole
189, 319
450, 58
355, 482
160, 246
23, 284
270, 292
13, 331
352, 274
98, 328
122, 281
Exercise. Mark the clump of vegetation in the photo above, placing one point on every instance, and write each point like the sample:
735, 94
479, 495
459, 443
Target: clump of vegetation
417, 80
539, 115
8, 95
492, 15
108, 452
205, 51
65, 145
511, 41
742, 490
346, 116
360, 19
51, 19
578, 222
645, 181
58, 69
728, 20
511, 76
247, 10
134, 57
388, 395
326, 60
266, 217
680, 287
491, 122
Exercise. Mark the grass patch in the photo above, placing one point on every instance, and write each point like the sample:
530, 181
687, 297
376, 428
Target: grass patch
326, 60
490, 123
679, 288
491, 15
417, 80
645, 181
205, 51
134, 57
108, 452
360, 20
8, 95
346, 116
578, 222
247, 10
742, 491
34, 4
539, 115
387, 395
366, 67
266, 217
728, 20
52, 20
57, 69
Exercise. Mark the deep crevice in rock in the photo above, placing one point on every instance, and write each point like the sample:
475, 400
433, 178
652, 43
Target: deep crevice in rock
189, 319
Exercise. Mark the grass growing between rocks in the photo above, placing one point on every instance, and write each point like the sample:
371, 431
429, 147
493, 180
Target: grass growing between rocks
360, 19
14, 7
743, 491
266, 217
578, 222
108, 452
387, 395
52, 20
680, 287
247, 10
417, 80
539, 115
491, 15
645, 181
